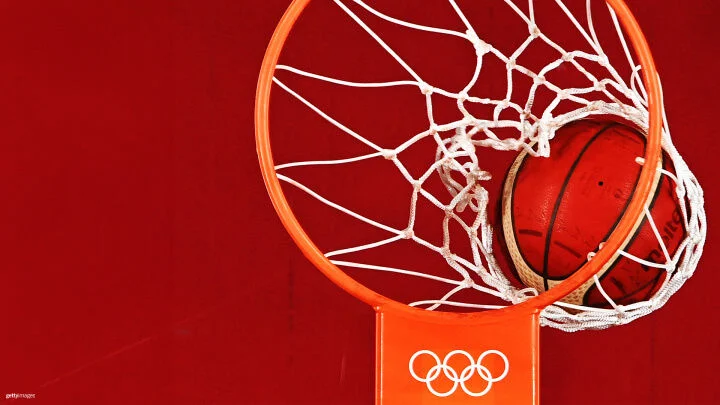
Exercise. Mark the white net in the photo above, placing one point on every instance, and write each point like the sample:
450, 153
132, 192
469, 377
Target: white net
604, 92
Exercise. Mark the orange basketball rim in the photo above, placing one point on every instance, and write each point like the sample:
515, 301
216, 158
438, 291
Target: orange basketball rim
506, 339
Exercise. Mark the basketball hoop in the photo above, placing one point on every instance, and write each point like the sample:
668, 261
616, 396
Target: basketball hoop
426, 355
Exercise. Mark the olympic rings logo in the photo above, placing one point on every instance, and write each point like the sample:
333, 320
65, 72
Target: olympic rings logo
465, 375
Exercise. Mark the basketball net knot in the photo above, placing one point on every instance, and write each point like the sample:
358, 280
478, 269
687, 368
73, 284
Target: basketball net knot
481, 47
425, 88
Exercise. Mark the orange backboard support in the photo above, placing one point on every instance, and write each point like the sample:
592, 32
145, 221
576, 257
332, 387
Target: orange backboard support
417, 356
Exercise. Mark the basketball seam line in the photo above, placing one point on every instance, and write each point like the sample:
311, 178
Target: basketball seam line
556, 208
617, 221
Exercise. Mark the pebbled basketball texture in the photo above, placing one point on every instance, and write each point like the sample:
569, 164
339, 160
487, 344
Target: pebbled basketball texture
556, 210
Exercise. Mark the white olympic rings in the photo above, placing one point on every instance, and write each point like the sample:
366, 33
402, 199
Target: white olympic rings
465, 375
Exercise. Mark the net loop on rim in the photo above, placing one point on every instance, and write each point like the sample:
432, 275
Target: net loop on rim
461, 169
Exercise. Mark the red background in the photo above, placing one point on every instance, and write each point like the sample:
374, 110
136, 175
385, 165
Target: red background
143, 264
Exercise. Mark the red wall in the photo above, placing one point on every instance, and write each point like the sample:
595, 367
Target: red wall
142, 262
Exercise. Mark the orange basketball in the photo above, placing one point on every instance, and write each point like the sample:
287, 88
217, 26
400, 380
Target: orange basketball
556, 210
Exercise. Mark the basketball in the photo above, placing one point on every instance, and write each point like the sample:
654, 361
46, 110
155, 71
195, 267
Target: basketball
558, 210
